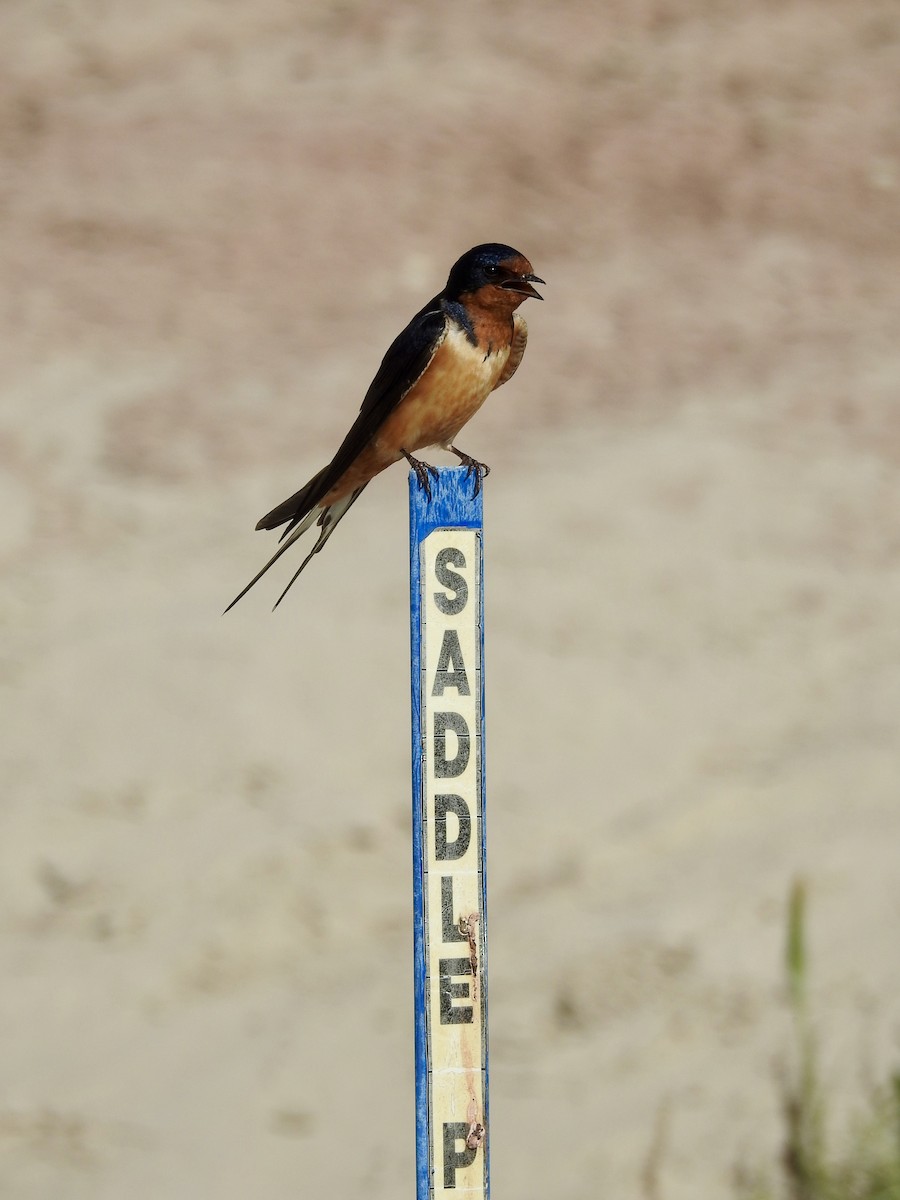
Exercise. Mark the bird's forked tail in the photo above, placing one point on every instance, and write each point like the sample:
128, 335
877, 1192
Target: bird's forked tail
327, 517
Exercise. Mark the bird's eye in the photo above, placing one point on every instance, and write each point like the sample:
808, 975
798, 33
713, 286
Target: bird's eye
492, 270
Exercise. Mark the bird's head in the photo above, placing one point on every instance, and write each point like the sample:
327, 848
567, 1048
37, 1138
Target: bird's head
501, 276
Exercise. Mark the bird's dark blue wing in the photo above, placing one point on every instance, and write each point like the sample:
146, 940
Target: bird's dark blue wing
404, 363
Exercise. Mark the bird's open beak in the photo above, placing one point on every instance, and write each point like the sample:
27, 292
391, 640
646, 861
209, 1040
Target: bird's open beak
522, 285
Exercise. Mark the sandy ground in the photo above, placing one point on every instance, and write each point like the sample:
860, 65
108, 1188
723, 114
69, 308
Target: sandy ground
213, 218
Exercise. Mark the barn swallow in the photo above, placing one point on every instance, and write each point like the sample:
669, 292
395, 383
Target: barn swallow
435, 376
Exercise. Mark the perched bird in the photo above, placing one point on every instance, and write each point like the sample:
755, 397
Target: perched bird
435, 376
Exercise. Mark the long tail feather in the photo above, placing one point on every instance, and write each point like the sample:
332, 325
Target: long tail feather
329, 520
301, 529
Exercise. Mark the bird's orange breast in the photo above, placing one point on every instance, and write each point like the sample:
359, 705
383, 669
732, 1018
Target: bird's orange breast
457, 382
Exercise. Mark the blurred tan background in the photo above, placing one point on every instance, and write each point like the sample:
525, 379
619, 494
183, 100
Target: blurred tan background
213, 219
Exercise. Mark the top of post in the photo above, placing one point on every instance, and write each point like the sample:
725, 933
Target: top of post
452, 504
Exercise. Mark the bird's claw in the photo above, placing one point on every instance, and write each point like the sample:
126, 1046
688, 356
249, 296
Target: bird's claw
422, 470
474, 468
481, 472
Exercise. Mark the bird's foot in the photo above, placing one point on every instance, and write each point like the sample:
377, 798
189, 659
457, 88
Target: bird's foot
422, 470
474, 468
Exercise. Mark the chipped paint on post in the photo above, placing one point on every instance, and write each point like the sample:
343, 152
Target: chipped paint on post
448, 838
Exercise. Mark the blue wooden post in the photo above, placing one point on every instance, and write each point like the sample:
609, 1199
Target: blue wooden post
450, 935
